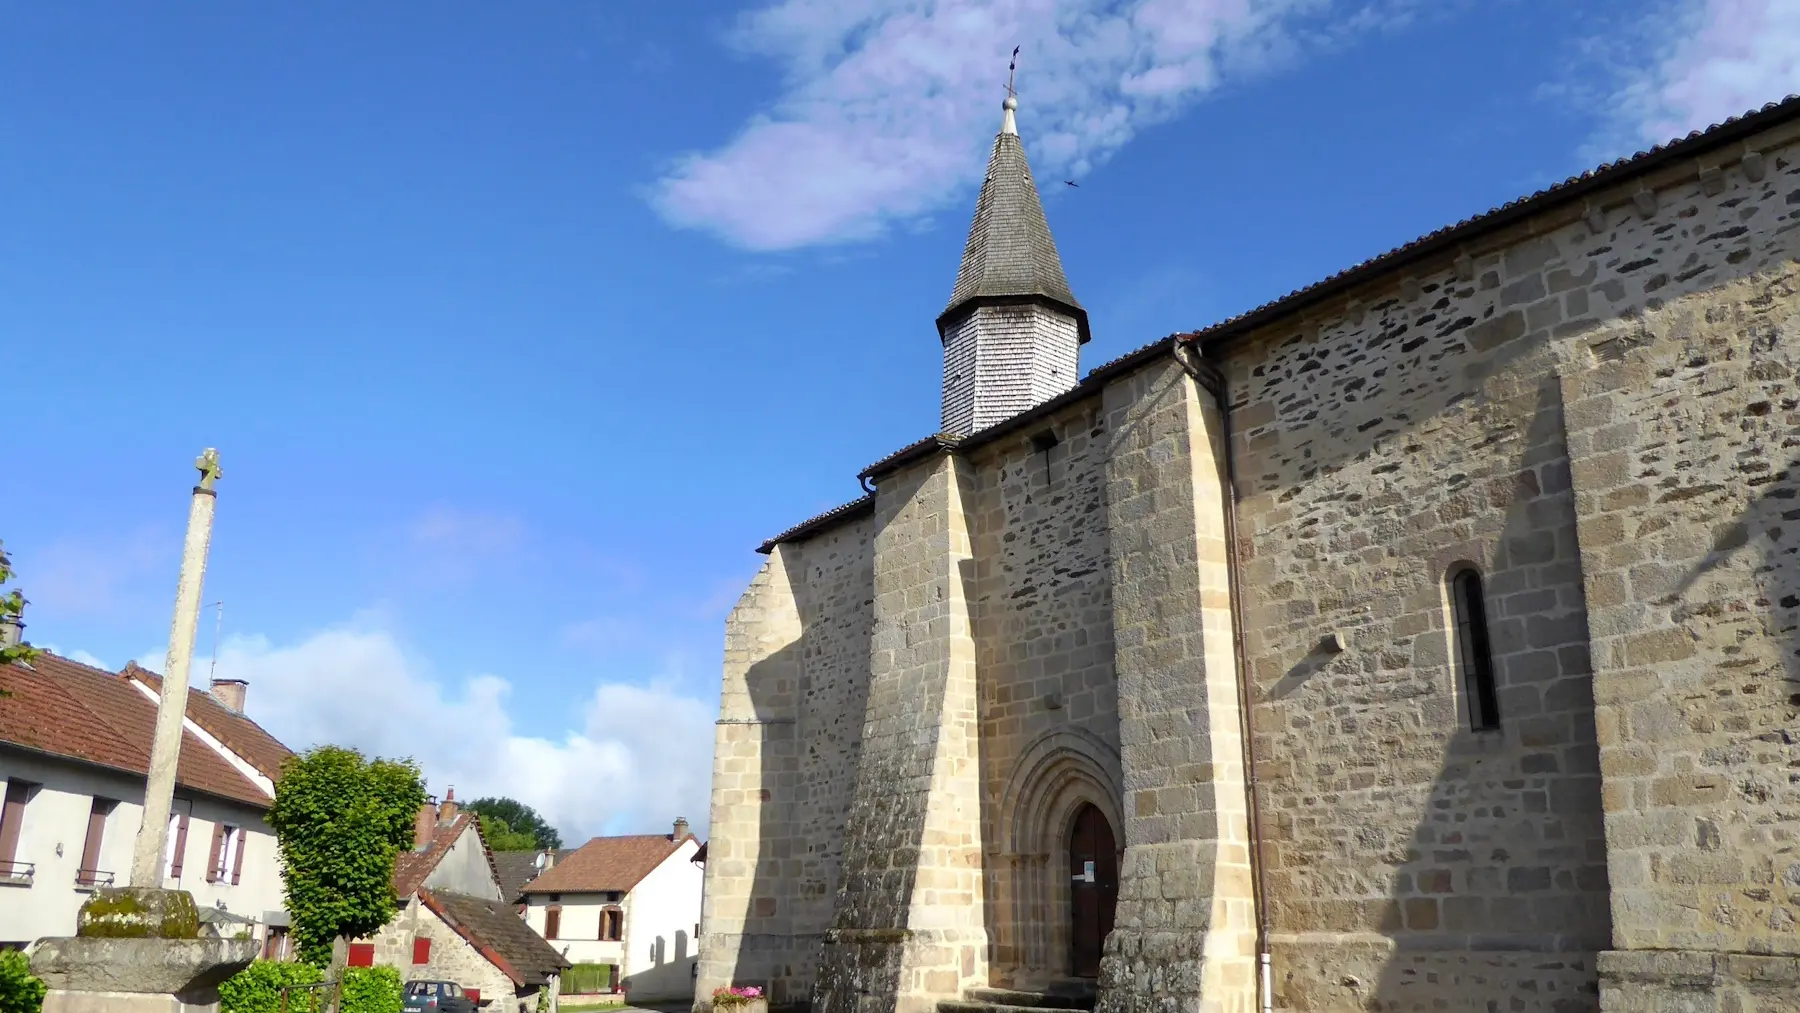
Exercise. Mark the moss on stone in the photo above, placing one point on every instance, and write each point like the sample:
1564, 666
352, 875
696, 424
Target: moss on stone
132, 912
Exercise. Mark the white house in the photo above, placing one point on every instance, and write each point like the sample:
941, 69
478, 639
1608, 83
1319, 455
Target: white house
74, 749
630, 903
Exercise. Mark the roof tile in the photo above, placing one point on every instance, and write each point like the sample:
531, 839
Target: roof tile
65, 708
607, 863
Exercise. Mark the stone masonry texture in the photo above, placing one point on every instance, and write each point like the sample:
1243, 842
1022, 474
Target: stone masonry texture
1596, 407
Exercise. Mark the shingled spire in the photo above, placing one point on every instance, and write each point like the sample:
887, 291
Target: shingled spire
1013, 330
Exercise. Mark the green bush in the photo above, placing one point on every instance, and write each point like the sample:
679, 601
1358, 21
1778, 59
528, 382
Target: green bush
257, 988
371, 990
19, 991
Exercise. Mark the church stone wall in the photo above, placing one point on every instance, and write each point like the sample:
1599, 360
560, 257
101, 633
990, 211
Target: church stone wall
789, 734
1686, 439
908, 928
836, 614
1460, 417
1596, 407
1049, 701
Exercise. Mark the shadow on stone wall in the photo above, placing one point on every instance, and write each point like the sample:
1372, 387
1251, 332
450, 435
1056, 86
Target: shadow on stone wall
766, 952
1766, 538
1500, 899
1770, 528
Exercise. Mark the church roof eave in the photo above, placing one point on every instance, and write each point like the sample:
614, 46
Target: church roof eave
958, 310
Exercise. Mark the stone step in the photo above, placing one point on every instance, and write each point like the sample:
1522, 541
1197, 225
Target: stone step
1064, 997
977, 1006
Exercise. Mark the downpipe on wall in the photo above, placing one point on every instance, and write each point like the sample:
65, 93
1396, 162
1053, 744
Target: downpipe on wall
1187, 352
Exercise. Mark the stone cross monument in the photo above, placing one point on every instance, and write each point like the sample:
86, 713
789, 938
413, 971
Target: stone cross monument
165, 749
138, 948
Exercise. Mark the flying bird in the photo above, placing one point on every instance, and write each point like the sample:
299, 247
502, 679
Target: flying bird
1071, 182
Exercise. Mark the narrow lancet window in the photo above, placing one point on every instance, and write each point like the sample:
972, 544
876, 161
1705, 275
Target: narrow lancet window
1474, 655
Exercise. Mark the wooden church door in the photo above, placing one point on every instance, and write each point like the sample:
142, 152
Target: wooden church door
1093, 889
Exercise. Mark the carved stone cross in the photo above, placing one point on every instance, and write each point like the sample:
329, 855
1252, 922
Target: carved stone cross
208, 463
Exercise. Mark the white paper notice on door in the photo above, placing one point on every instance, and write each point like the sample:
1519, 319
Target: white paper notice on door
1087, 872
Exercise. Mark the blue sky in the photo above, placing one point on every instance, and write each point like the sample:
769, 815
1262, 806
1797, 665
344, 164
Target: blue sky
519, 327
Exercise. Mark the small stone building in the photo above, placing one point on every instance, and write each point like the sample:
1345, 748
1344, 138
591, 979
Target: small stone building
1427, 639
455, 922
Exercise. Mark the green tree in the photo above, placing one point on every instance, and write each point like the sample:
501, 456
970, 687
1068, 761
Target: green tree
501, 837
340, 820
12, 604
519, 818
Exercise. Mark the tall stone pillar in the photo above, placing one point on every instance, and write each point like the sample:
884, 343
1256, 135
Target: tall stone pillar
909, 927
137, 949
1184, 934
746, 938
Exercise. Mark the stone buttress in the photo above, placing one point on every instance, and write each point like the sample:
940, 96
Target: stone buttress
746, 937
1184, 932
908, 930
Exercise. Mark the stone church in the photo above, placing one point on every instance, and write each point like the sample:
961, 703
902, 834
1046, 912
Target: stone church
1425, 639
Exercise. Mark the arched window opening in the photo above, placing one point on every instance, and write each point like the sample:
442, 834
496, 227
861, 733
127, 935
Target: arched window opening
1474, 654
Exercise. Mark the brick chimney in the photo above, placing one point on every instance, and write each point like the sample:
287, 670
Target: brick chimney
424, 826
681, 829
447, 811
230, 694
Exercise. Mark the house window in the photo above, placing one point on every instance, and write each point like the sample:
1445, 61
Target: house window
89, 873
177, 854
421, 950
362, 955
552, 922
1474, 653
12, 821
612, 924
227, 862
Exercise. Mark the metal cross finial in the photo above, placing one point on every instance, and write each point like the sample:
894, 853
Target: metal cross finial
1011, 69
208, 463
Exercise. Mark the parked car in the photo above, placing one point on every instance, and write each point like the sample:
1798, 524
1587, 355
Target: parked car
436, 997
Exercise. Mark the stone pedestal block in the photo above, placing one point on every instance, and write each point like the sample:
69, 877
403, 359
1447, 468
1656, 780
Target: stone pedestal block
106, 975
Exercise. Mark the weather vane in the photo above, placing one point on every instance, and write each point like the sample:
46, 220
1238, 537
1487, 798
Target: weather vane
1012, 68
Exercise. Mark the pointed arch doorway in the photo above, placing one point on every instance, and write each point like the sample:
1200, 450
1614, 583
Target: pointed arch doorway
1093, 888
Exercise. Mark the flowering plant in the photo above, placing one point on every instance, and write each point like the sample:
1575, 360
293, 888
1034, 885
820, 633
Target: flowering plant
736, 995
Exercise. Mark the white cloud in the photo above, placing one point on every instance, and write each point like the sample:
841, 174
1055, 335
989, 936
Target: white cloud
641, 756
1693, 63
889, 105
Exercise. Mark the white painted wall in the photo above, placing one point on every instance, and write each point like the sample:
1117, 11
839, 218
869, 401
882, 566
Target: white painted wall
56, 818
464, 869
578, 934
661, 915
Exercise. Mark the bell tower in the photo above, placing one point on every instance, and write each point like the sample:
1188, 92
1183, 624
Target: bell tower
1013, 331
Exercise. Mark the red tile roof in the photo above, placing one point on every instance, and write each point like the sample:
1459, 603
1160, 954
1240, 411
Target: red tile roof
607, 863
241, 735
64, 708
